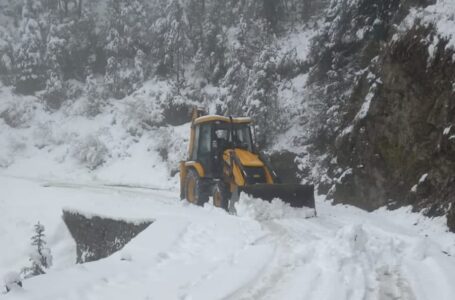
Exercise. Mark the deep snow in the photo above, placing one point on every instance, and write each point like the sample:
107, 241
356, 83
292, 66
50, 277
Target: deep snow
267, 251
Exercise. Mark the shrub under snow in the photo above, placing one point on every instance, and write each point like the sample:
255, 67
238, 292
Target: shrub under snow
91, 152
12, 281
19, 112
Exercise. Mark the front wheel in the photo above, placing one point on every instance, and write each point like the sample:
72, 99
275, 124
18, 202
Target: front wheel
195, 191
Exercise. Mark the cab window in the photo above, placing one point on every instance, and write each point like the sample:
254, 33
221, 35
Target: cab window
204, 149
196, 143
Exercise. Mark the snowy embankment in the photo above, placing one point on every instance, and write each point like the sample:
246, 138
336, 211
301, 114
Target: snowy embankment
441, 15
268, 251
122, 143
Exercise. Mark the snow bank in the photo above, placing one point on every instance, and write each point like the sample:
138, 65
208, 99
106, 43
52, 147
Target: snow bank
261, 210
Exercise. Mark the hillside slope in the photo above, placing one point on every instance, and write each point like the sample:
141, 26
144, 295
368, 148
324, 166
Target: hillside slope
383, 87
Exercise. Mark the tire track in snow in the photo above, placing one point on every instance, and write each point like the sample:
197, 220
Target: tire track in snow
344, 261
278, 267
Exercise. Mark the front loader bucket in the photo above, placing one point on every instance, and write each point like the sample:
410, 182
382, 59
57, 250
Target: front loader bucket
297, 195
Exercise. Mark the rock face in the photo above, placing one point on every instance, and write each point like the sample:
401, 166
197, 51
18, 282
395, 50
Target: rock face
98, 237
286, 167
391, 133
451, 219
402, 152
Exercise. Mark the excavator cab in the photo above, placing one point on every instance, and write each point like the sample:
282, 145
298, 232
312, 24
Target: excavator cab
223, 161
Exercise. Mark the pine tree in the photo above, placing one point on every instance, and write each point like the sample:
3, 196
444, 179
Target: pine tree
112, 78
41, 257
127, 42
95, 101
6, 56
273, 13
54, 94
251, 39
210, 59
235, 82
128, 28
262, 100
29, 54
173, 45
140, 69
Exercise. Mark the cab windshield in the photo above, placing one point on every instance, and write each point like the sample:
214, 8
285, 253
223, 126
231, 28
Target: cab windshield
240, 137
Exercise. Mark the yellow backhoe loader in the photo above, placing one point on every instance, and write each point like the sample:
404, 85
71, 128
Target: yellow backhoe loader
223, 161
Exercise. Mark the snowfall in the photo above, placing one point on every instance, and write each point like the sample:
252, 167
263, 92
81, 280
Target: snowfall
265, 251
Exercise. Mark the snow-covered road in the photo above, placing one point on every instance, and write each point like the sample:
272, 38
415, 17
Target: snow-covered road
268, 251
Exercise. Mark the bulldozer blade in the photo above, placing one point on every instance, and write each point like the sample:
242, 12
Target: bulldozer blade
297, 195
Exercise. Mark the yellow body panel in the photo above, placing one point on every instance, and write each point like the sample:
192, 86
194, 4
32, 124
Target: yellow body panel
248, 159
197, 166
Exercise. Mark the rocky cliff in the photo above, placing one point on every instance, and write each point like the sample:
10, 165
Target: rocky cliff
386, 82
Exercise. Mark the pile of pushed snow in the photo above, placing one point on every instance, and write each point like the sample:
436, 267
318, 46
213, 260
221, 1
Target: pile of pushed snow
441, 14
260, 210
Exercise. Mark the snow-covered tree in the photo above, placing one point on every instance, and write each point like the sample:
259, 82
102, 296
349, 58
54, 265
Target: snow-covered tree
94, 100
173, 46
140, 69
112, 78
91, 152
54, 94
6, 56
29, 52
262, 100
209, 38
250, 40
128, 28
41, 257
124, 77
128, 41
235, 83
70, 43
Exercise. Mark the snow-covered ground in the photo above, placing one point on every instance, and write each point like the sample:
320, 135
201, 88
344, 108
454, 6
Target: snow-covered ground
267, 251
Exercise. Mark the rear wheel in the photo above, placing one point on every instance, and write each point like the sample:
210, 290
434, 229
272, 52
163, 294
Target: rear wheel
195, 191
221, 195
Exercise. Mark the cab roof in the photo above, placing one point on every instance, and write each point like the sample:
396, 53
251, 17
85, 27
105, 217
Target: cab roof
214, 118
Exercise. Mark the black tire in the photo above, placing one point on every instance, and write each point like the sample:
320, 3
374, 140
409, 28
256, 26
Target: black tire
221, 195
195, 188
